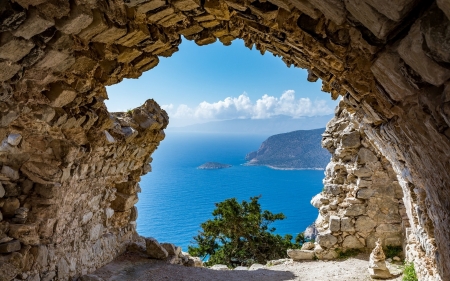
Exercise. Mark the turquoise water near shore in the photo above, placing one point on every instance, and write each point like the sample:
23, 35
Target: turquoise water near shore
176, 196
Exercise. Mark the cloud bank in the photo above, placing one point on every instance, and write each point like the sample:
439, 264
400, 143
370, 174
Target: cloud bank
242, 107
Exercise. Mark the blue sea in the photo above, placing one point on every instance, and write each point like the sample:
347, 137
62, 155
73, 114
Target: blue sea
177, 197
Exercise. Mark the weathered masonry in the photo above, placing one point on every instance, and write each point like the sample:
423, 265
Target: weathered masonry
69, 169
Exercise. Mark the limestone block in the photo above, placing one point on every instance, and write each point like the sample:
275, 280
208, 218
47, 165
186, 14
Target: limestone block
154, 249
123, 202
160, 15
387, 227
355, 210
194, 29
63, 268
333, 189
306, 7
347, 225
365, 224
377, 23
362, 172
83, 65
56, 61
435, 27
128, 187
14, 139
411, 51
364, 193
319, 200
332, 9
60, 95
217, 8
95, 232
150, 6
237, 5
308, 246
134, 36
281, 3
10, 205
326, 240
26, 233
186, 5
79, 18
134, 213
363, 183
8, 70
219, 267
387, 72
351, 140
9, 247
170, 248
298, 255
210, 24
110, 35
97, 26
128, 55
366, 156
334, 223
444, 5
33, 25
9, 173
15, 49
172, 19
351, 242
395, 10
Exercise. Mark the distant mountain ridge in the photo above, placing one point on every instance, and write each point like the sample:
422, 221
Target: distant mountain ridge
271, 126
295, 150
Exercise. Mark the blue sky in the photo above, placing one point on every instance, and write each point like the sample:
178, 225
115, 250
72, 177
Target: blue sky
215, 82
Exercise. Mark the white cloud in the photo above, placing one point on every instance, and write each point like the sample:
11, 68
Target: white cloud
242, 107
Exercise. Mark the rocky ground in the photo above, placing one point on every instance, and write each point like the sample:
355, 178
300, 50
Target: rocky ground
137, 267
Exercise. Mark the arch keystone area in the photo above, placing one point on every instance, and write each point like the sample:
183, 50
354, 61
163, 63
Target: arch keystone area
69, 169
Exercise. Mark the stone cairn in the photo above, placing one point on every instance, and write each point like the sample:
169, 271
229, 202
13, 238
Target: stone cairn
377, 263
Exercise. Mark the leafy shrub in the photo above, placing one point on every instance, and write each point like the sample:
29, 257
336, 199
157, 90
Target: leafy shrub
239, 234
409, 273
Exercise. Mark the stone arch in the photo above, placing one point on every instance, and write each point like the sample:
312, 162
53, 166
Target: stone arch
69, 168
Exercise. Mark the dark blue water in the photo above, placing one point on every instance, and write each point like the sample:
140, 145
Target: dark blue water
176, 197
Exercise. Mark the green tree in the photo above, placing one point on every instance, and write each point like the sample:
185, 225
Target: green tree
239, 234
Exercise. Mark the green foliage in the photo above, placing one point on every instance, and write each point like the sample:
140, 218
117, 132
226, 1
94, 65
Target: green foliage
392, 251
130, 111
239, 234
409, 273
347, 254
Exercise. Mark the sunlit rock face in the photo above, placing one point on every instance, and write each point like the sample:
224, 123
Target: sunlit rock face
69, 169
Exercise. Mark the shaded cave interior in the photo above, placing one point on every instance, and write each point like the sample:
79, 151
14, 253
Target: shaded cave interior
69, 168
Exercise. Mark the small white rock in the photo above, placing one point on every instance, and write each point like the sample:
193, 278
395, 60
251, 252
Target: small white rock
256, 266
396, 258
219, 267
14, 139
109, 138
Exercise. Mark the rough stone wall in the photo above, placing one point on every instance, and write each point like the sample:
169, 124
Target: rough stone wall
69, 188
388, 58
362, 199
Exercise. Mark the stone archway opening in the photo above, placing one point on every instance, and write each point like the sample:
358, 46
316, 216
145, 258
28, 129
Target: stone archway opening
164, 225
69, 167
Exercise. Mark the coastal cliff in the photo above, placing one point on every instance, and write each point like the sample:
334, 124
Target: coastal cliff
294, 150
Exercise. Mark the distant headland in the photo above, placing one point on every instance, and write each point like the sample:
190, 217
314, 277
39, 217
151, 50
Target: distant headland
213, 166
298, 150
